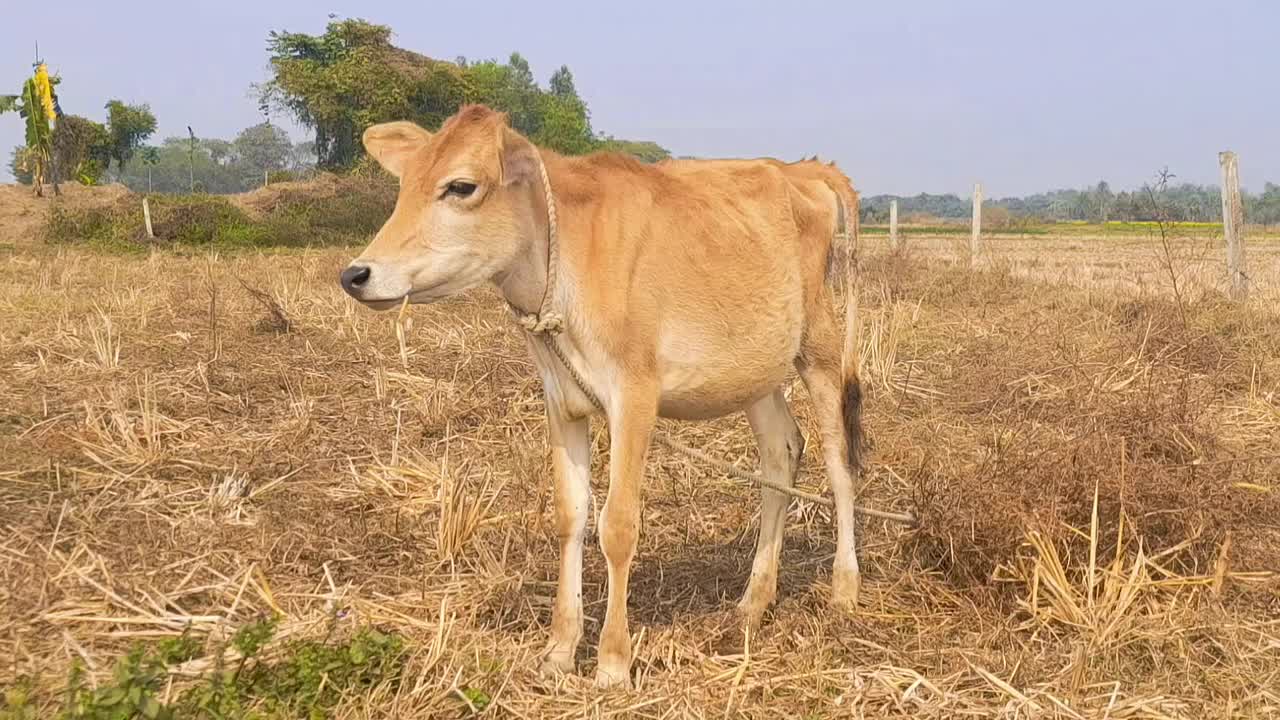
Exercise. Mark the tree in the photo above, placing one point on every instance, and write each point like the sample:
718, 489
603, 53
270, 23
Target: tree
150, 157
302, 156
262, 148
1103, 198
509, 88
562, 84
564, 126
339, 83
351, 77
81, 148
128, 127
643, 150
19, 166
221, 152
1266, 208
522, 75
566, 122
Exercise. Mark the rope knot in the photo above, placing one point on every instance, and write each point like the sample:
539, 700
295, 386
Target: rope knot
550, 322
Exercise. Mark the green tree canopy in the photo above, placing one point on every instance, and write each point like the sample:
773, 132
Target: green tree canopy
351, 77
643, 150
81, 148
562, 83
128, 126
263, 147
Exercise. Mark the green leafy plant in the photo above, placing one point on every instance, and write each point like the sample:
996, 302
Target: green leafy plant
307, 679
18, 703
477, 698
135, 681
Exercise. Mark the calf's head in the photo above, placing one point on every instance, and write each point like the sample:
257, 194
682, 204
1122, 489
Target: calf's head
466, 209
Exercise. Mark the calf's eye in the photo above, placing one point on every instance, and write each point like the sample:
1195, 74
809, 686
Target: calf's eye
460, 188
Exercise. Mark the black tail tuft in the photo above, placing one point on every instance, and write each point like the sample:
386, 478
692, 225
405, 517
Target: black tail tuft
852, 407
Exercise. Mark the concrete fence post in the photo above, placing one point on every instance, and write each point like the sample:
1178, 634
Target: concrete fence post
1233, 225
975, 236
893, 224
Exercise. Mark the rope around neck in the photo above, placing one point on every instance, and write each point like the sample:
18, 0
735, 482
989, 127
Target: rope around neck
546, 324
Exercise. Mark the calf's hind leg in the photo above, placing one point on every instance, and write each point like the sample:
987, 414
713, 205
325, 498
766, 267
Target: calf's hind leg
837, 404
781, 445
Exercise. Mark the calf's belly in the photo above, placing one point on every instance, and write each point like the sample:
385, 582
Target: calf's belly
733, 341
707, 379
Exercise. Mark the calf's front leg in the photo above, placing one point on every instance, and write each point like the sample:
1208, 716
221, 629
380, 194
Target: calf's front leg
571, 461
631, 419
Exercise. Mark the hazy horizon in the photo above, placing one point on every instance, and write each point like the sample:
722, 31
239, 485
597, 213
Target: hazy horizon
917, 97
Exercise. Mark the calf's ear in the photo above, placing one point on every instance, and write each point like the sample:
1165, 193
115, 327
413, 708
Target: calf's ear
518, 158
392, 144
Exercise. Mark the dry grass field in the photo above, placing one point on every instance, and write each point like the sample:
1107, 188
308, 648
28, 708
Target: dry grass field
191, 442
1184, 262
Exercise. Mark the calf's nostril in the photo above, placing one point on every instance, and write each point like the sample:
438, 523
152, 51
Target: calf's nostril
355, 276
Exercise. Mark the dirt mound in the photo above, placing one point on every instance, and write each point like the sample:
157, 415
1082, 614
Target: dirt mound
22, 214
262, 201
326, 210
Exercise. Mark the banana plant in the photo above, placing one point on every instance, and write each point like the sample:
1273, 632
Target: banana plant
39, 105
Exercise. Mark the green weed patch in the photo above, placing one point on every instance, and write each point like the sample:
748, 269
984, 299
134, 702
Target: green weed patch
302, 679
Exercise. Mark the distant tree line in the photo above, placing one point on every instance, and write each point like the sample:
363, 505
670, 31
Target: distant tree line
93, 153
1186, 202
214, 165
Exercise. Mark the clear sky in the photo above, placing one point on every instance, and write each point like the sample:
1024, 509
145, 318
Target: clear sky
908, 96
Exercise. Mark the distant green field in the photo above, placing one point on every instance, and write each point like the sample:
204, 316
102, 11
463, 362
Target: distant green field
1078, 229
953, 230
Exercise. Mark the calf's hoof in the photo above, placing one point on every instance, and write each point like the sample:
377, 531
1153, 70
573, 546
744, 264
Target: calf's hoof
845, 586
750, 612
613, 675
556, 663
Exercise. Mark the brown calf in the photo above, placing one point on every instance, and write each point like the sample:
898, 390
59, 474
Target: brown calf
688, 290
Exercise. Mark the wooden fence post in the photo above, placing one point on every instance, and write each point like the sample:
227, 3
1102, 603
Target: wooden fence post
893, 224
975, 237
1233, 225
146, 217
